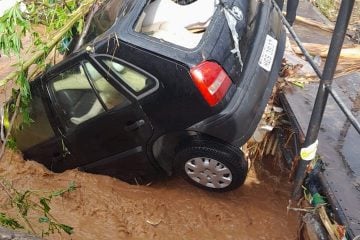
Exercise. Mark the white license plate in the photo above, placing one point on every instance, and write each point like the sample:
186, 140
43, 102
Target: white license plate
268, 53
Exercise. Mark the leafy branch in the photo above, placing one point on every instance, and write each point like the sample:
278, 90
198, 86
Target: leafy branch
28, 201
60, 33
12, 28
60, 17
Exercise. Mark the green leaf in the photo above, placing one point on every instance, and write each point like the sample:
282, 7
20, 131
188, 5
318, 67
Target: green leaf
68, 229
11, 143
71, 187
44, 219
45, 203
317, 200
9, 222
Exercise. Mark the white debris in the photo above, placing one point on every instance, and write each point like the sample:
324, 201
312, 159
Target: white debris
2, 126
261, 131
278, 109
233, 16
267, 128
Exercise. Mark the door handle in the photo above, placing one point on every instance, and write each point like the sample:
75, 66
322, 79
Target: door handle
135, 125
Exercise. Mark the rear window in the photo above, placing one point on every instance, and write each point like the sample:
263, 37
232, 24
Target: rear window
170, 21
104, 18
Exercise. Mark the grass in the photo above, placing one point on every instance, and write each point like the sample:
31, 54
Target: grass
330, 9
327, 7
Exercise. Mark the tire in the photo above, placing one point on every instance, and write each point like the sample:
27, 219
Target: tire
212, 166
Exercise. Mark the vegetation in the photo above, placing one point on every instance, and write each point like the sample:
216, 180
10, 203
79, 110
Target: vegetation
26, 19
330, 9
327, 7
31, 205
61, 19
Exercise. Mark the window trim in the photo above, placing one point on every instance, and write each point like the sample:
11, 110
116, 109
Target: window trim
91, 82
156, 43
98, 58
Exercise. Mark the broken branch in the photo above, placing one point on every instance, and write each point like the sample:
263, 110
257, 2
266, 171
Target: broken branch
76, 16
349, 51
314, 23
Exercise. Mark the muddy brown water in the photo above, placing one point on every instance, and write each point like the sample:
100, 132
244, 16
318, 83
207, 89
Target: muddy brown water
106, 208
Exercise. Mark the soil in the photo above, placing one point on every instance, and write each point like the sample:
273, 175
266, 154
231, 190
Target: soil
106, 208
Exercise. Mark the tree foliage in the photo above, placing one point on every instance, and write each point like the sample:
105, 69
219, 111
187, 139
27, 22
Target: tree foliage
59, 19
33, 204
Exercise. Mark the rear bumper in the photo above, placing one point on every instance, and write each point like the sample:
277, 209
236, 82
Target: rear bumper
237, 121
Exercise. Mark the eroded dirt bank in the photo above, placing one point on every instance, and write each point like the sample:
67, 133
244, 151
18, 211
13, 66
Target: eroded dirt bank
106, 208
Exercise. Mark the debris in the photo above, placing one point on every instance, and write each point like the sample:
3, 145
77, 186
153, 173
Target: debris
288, 69
277, 109
154, 223
353, 30
233, 16
305, 71
349, 51
314, 23
317, 60
267, 128
313, 227
336, 231
307, 210
349, 60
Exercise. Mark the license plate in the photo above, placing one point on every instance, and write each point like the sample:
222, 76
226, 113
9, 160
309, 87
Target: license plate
268, 53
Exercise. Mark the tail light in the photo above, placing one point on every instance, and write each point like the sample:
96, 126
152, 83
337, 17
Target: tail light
211, 80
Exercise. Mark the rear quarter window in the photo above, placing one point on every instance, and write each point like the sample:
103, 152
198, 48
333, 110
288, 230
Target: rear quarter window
135, 80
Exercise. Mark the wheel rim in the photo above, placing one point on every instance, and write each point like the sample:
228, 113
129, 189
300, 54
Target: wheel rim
208, 172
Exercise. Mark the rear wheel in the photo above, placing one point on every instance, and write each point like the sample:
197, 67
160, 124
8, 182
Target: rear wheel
212, 166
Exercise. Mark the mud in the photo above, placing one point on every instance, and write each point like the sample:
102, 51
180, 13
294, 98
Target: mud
106, 208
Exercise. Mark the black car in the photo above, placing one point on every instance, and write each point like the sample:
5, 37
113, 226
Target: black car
159, 87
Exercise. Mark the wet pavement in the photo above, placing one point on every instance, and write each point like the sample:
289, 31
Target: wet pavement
338, 140
338, 144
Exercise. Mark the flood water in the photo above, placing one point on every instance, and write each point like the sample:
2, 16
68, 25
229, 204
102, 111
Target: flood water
106, 208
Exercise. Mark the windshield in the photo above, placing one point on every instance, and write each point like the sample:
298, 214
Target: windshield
103, 19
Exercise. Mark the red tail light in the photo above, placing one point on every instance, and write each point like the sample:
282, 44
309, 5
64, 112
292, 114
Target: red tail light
211, 80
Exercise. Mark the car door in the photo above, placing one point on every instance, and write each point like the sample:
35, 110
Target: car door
102, 124
37, 140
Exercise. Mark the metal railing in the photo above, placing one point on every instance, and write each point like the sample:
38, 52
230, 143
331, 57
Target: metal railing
326, 78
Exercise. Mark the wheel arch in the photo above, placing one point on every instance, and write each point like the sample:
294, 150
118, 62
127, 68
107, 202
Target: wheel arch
166, 146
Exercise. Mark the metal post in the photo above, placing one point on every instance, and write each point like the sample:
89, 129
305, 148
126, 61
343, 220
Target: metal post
322, 94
